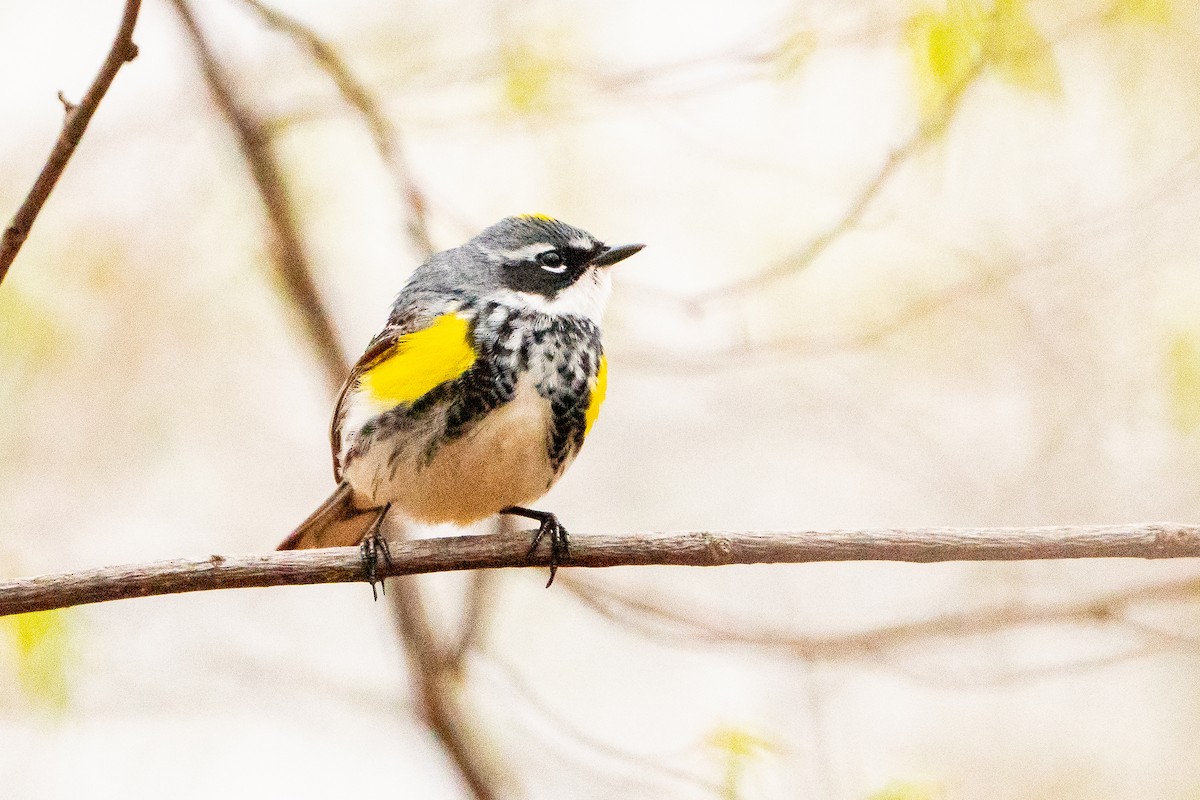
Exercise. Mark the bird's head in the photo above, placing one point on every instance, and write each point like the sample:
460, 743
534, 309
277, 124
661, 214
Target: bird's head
540, 262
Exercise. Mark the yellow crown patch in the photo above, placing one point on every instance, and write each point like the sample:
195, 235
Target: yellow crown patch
541, 217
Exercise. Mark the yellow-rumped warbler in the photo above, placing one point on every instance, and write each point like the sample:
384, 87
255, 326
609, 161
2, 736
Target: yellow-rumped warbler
479, 391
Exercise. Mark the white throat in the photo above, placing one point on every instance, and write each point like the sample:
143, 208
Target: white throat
587, 297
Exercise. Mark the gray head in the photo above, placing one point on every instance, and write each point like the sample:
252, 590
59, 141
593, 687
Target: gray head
539, 255
530, 261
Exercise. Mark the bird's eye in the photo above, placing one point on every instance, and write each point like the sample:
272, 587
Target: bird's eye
551, 261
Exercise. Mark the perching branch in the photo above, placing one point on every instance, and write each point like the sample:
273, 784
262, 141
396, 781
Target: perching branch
123, 50
698, 549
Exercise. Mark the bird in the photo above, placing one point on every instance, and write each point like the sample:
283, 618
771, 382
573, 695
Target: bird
477, 394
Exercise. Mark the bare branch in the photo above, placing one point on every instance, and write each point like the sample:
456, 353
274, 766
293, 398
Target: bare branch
291, 261
356, 94
692, 548
123, 50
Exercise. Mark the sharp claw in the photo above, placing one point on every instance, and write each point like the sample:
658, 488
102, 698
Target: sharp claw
372, 545
381, 546
369, 558
558, 540
386, 549
548, 524
537, 539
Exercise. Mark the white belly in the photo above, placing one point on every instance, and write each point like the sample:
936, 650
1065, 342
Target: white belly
501, 462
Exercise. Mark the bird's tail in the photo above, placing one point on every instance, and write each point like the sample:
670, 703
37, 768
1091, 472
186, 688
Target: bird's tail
337, 523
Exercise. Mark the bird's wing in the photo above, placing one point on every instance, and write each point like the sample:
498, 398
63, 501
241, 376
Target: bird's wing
404, 363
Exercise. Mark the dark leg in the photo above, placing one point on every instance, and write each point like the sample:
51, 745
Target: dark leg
373, 545
548, 524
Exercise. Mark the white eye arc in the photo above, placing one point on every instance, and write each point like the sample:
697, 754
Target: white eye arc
552, 261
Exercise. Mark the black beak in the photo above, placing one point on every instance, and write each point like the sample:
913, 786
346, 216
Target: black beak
612, 255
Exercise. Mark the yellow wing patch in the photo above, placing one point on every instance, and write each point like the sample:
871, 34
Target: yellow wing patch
598, 391
419, 362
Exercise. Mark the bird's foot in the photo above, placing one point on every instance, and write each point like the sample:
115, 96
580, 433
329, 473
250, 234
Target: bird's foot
373, 547
548, 525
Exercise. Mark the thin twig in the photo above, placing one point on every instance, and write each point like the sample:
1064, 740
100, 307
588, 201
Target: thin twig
509, 677
123, 50
699, 627
693, 548
959, 678
927, 131
288, 253
749, 354
356, 94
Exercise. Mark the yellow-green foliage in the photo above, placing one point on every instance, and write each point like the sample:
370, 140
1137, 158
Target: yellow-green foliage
949, 46
907, 790
1183, 369
27, 331
529, 76
1018, 52
792, 54
736, 748
41, 644
1157, 12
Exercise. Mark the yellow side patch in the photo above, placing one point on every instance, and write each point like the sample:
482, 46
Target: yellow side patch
419, 362
598, 391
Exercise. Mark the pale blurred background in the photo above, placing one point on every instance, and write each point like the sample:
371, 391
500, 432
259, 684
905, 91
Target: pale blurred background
997, 326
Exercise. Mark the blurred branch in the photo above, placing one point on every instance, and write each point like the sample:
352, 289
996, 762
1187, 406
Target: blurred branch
511, 684
123, 50
962, 678
656, 620
693, 548
444, 710
437, 681
356, 94
477, 607
290, 259
746, 353
927, 131
478, 603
